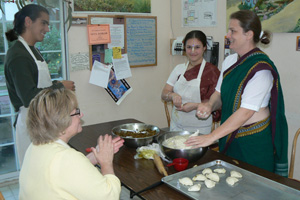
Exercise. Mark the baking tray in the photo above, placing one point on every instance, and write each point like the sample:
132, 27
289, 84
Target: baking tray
250, 187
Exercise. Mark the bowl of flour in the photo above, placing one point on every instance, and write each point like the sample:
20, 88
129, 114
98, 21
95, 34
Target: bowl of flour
172, 145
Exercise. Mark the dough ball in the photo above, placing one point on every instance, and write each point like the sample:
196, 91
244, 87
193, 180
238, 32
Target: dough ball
199, 177
231, 180
206, 171
209, 183
213, 176
186, 181
195, 188
220, 170
236, 174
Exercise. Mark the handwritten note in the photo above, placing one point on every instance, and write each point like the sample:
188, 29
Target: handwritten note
141, 41
99, 34
117, 54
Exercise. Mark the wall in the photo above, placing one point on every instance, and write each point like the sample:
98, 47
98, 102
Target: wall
147, 82
282, 51
144, 102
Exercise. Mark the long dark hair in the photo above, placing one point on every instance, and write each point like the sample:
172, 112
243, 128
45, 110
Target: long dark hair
195, 34
32, 11
249, 21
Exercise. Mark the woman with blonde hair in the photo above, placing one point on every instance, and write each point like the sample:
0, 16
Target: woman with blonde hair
53, 170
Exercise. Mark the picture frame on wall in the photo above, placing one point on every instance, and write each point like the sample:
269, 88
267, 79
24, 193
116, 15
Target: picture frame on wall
113, 6
275, 16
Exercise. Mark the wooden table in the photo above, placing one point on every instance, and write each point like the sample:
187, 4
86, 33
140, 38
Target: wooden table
136, 175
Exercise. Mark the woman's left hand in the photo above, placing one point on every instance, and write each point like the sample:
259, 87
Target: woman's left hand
118, 143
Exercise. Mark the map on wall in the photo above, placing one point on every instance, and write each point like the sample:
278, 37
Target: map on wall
199, 13
277, 16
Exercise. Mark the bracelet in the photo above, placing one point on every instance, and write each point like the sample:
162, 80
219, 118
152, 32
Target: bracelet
167, 96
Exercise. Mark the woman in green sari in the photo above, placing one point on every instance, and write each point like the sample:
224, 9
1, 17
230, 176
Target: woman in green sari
253, 124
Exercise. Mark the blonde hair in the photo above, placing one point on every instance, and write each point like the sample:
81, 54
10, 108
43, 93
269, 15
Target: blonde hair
49, 114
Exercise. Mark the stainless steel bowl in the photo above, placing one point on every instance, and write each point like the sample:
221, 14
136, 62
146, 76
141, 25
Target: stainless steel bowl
190, 154
136, 127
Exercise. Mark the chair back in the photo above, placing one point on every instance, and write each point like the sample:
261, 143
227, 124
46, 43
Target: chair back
167, 112
293, 154
1, 196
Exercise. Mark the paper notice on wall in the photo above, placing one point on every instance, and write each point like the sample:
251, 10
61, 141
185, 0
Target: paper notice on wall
122, 67
102, 20
100, 74
108, 56
199, 13
117, 54
116, 36
79, 61
98, 34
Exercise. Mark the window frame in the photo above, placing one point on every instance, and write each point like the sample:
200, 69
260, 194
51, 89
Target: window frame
63, 10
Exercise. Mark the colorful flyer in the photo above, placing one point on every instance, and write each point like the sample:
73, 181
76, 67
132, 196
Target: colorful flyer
117, 89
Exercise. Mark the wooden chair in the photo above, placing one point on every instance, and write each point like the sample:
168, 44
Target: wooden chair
167, 112
1, 196
291, 171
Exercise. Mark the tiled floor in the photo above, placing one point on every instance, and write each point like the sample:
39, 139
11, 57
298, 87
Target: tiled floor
11, 192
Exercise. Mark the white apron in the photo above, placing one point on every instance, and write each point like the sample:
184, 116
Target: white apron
44, 80
189, 92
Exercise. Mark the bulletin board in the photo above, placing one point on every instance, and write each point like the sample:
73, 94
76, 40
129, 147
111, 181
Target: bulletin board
140, 35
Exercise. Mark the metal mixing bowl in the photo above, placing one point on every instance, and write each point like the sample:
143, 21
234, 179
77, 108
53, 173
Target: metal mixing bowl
139, 128
190, 154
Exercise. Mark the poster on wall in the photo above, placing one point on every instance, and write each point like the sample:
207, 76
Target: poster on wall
117, 89
276, 16
124, 6
199, 13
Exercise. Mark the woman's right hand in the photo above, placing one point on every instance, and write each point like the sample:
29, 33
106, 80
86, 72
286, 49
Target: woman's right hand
177, 101
69, 84
204, 110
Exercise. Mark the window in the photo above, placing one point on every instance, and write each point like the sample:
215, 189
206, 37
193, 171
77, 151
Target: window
53, 51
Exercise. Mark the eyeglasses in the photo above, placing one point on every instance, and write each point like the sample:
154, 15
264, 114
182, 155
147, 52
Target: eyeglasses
77, 112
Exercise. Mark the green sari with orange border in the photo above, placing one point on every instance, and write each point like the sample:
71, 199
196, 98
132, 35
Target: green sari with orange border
265, 143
